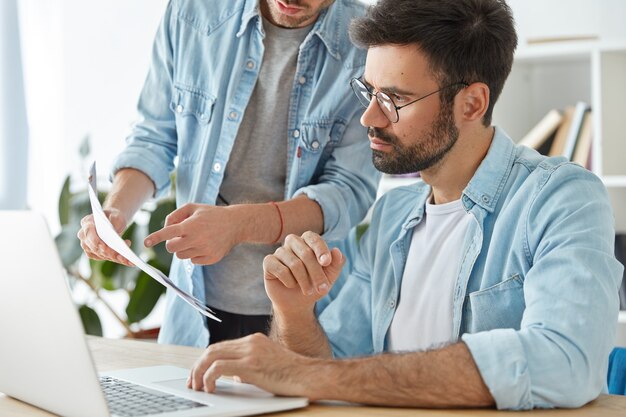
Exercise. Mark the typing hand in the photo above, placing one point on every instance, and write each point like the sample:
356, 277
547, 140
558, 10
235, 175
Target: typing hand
253, 359
93, 246
199, 232
301, 272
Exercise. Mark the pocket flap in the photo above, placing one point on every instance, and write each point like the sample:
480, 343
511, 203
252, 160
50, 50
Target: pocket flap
192, 102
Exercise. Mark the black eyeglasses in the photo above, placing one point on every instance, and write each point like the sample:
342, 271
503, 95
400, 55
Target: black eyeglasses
386, 104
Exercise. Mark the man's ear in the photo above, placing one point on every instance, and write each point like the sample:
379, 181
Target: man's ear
474, 101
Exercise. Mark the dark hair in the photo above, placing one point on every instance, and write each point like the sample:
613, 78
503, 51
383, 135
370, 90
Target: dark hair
464, 40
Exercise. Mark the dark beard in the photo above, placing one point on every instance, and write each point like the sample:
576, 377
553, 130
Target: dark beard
430, 149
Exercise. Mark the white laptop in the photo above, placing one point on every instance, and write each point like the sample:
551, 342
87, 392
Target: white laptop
45, 361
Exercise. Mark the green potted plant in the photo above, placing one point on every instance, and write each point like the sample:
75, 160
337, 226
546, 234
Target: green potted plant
99, 276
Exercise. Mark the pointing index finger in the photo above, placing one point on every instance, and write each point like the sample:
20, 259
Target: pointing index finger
166, 233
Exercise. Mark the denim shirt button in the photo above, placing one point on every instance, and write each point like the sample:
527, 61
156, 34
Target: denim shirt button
232, 115
217, 167
296, 133
485, 199
302, 79
392, 304
179, 108
189, 267
250, 64
315, 144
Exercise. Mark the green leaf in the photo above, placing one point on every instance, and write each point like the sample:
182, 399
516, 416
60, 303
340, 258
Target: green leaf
131, 234
360, 230
91, 321
144, 297
81, 206
64, 202
112, 276
160, 212
68, 245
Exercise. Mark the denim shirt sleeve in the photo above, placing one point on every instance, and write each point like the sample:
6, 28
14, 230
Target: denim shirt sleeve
558, 357
152, 145
347, 186
347, 320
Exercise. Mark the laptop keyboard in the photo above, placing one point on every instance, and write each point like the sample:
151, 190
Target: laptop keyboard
129, 400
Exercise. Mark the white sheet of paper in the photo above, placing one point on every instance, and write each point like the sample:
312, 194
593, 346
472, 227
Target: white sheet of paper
107, 233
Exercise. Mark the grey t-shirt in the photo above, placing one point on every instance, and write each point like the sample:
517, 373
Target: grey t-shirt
256, 173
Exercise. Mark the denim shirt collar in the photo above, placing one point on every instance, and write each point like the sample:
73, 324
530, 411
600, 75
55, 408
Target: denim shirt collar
486, 185
327, 26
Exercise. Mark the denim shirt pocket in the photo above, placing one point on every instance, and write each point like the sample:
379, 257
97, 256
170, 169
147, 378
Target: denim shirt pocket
314, 136
193, 109
500, 306
317, 142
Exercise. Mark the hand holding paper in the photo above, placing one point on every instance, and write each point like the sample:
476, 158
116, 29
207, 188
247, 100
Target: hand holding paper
107, 233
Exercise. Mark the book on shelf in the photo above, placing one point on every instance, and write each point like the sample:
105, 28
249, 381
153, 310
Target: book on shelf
543, 131
582, 152
574, 130
560, 137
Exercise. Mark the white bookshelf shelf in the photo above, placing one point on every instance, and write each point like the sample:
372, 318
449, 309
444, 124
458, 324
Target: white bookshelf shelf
614, 181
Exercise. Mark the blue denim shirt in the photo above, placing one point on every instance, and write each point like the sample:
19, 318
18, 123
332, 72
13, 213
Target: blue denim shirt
205, 64
535, 299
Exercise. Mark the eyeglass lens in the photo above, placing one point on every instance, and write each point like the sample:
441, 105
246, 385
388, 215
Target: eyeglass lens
384, 101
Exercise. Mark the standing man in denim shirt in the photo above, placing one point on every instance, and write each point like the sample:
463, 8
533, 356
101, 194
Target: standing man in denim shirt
492, 282
251, 98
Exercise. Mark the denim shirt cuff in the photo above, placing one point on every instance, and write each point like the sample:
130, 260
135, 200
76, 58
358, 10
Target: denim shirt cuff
324, 194
500, 358
144, 162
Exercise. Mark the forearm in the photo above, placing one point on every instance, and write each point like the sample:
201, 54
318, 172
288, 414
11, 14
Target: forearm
442, 378
302, 335
131, 188
262, 222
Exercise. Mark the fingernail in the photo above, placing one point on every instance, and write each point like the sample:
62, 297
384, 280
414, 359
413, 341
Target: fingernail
322, 288
310, 292
325, 258
236, 379
148, 242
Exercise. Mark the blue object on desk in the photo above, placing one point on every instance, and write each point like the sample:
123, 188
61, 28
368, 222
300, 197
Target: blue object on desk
617, 372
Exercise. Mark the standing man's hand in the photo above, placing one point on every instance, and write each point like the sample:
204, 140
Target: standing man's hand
301, 272
91, 243
200, 232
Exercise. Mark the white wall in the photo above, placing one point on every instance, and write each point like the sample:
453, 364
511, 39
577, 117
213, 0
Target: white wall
13, 124
562, 18
85, 62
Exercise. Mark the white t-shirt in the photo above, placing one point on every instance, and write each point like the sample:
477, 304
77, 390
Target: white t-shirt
423, 318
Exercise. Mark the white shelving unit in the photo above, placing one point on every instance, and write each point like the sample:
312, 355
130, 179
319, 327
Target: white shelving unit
557, 75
